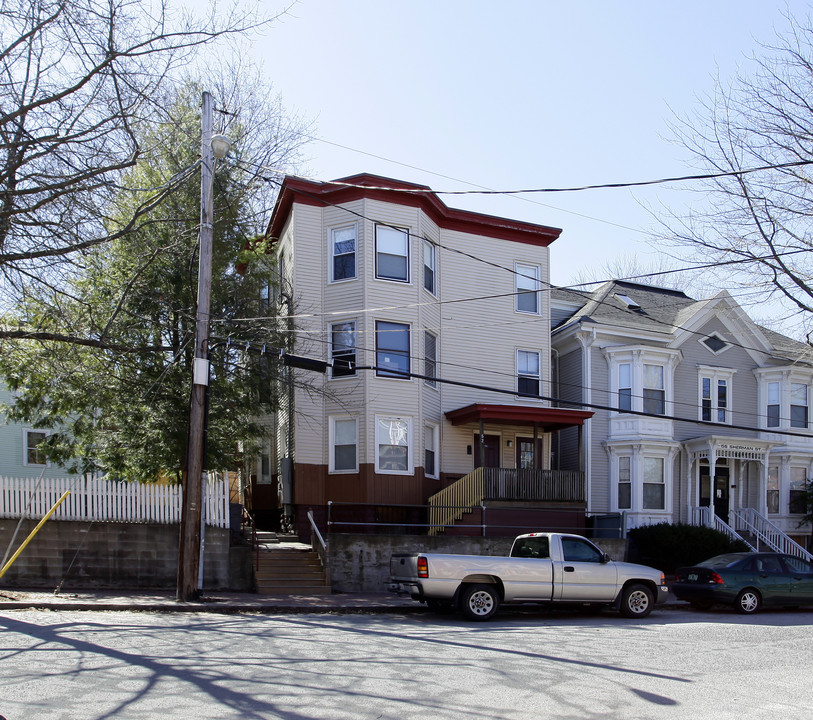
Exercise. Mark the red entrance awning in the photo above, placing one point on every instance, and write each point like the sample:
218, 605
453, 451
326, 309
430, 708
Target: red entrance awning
547, 419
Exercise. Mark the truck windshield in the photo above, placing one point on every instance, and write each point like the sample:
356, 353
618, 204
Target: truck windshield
535, 547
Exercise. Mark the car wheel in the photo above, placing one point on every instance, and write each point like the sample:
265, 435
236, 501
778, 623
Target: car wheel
479, 602
637, 601
748, 601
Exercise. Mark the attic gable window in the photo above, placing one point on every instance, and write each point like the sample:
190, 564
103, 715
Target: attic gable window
715, 343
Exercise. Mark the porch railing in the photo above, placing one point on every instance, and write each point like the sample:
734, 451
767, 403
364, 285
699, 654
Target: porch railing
703, 516
750, 521
101, 500
509, 484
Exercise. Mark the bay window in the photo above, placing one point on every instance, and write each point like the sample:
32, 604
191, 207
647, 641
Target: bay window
343, 348
391, 253
343, 253
343, 445
392, 349
393, 440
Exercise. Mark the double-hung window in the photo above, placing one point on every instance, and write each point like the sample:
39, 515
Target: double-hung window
343, 348
796, 490
715, 393
785, 397
773, 404
430, 358
528, 285
430, 267
773, 490
654, 394
798, 405
343, 445
343, 253
654, 495
393, 440
392, 349
625, 386
624, 482
33, 453
391, 253
430, 453
528, 372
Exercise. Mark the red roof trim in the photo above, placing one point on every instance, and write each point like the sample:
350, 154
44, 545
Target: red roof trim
548, 418
320, 194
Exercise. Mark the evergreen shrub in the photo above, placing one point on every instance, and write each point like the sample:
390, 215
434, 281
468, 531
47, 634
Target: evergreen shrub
668, 546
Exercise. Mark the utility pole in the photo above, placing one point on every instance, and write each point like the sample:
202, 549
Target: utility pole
190, 536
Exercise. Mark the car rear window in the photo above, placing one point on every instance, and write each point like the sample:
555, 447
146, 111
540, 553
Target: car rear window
531, 547
722, 561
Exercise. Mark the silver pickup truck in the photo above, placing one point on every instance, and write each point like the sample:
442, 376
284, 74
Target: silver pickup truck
542, 567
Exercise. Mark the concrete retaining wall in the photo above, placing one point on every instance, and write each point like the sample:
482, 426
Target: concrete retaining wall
83, 555
361, 563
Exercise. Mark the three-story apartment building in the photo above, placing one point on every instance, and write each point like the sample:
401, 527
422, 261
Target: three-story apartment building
402, 294
699, 411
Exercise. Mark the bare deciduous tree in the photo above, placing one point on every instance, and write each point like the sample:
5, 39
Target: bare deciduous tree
79, 80
756, 225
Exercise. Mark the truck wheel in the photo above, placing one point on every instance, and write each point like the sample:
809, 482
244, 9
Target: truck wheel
479, 602
637, 601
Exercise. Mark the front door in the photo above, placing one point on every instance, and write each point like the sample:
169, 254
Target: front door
719, 488
491, 451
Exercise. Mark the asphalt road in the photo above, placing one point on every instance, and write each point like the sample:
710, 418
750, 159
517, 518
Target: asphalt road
674, 664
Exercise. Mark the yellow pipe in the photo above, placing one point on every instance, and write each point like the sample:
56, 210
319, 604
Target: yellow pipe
33, 532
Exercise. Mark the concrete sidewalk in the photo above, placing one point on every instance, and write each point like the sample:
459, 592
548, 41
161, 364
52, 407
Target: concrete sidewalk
222, 602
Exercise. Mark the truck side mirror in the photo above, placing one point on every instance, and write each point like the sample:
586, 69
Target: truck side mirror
605, 558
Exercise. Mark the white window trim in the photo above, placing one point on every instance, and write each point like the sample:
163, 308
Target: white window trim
637, 357
433, 384
728, 343
381, 374
408, 234
538, 354
332, 254
434, 291
785, 377
331, 445
25, 448
637, 452
436, 449
355, 334
715, 374
520, 269
410, 445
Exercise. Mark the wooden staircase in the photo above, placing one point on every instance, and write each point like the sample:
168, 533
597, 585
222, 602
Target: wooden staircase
288, 567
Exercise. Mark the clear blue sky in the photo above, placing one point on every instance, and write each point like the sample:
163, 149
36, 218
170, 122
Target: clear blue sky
451, 93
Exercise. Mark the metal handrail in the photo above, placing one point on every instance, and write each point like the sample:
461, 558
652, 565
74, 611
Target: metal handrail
770, 534
711, 520
315, 531
255, 545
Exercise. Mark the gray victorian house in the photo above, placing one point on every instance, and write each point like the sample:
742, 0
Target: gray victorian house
701, 416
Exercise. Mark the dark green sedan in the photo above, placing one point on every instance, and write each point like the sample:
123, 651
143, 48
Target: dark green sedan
747, 581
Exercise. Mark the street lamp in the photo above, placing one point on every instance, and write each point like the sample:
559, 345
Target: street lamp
189, 551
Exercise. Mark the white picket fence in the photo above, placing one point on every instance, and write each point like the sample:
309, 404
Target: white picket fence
103, 500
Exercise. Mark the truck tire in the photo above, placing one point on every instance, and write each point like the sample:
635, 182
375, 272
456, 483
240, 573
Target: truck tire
479, 602
636, 601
